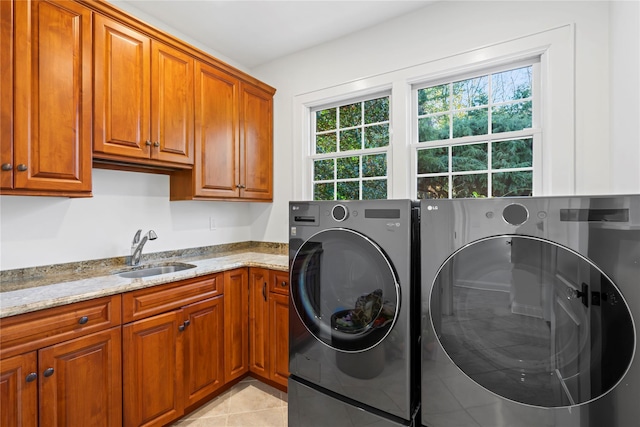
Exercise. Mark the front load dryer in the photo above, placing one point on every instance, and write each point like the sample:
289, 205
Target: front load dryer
353, 347
529, 312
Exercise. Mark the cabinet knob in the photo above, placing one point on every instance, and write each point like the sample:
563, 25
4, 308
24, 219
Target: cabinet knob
156, 144
283, 284
48, 372
147, 143
22, 167
83, 320
7, 166
31, 377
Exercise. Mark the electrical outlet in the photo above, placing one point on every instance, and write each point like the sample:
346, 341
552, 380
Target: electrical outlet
212, 224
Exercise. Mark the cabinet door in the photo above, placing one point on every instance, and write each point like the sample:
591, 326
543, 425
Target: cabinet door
259, 321
171, 104
81, 381
203, 349
19, 390
152, 370
216, 114
256, 143
122, 88
279, 338
6, 94
236, 325
52, 139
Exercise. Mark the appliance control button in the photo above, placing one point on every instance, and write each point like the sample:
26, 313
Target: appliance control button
339, 213
515, 214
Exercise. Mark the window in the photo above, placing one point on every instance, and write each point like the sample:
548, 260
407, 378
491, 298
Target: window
476, 136
350, 150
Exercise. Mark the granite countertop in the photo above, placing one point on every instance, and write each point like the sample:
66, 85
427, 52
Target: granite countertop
39, 296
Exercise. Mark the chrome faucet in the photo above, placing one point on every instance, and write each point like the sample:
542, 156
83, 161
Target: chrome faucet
138, 244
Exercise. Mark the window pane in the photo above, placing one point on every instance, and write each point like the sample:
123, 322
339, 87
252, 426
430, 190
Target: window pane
433, 160
325, 119
472, 157
433, 99
509, 184
348, 190
375, 189
350, 140
433, 187
350, 115
376, 136
472, 122
323, 191
511, 85
376, 110
470, 93
374, 165
348, 167
517, 153
323, 170
326, 143
510, 117
465, 186
433, 128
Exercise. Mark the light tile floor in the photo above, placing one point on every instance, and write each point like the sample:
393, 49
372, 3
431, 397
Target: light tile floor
250, 403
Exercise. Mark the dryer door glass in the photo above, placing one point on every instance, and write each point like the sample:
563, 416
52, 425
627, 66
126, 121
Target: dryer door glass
532, 321
345, 290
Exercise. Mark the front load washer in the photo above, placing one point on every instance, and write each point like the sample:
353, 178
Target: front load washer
353, 337
529, 311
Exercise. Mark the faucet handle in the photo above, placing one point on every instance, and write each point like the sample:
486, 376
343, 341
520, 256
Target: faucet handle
136, 237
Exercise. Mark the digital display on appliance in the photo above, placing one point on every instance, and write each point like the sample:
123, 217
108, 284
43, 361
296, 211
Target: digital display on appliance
595, 215
382, 213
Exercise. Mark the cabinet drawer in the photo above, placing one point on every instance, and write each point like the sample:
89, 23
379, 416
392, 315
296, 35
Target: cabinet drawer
30, 331
158, 299
279, 282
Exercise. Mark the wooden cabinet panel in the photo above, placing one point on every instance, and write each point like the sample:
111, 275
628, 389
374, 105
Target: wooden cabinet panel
256, 148
171, 104
236, 326
6, 94
81, 381
259, 321
203, 349
279, 338
158, 299
153, 370
30, 331
122, 89
19, 391
53, 98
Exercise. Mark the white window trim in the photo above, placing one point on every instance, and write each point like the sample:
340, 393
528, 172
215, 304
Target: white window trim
554, 158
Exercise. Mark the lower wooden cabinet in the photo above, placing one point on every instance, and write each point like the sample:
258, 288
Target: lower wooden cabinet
173, 360
269, 324
73, 383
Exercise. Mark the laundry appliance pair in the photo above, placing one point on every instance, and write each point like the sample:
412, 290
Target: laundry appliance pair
510, 312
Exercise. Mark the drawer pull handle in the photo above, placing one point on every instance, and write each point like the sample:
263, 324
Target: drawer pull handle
283, 284
184, 325
83, 320
48, 372
31, 377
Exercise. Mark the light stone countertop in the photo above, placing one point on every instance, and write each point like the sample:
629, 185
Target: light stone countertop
53, 295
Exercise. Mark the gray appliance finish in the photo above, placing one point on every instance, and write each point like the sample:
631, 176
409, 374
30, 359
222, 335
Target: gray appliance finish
528, 312
353, 343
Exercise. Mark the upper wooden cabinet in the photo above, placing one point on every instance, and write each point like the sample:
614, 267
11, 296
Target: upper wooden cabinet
233, 140
46, 120
143, 103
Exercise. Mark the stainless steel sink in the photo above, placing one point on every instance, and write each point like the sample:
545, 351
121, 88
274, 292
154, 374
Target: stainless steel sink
155, 270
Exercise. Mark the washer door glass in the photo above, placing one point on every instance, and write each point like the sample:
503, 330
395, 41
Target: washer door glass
532, 321
345, 290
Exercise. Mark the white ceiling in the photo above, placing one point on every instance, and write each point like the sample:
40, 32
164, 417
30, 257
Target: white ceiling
252, 33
